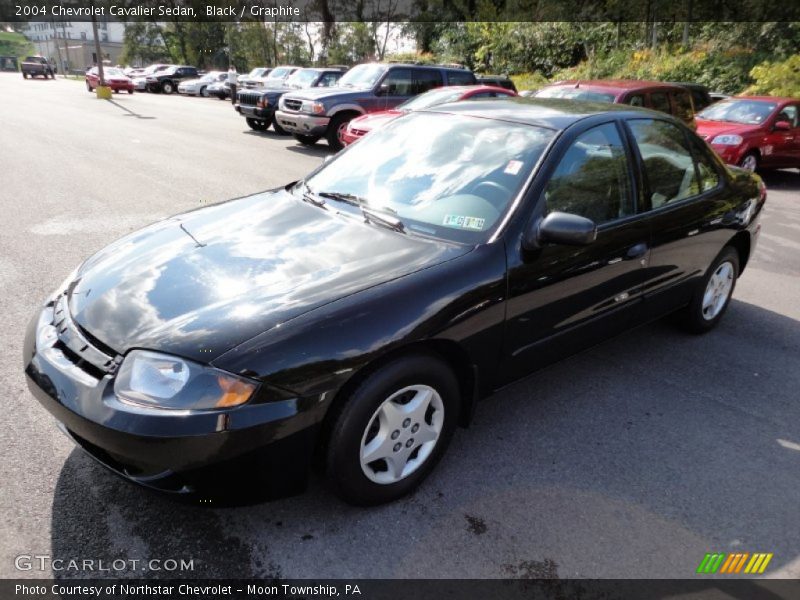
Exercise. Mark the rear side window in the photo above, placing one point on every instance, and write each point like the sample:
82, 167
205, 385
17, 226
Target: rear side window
660, 101
592, 178
667, 160
426, 79
683, 106
460, 78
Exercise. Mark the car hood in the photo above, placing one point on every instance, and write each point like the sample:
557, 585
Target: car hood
193, 82
375, 120
710, 129
199, 284
321, 93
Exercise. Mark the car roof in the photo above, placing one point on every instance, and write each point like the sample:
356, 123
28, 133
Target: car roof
614, 84
552, 113
778, 99
420, 66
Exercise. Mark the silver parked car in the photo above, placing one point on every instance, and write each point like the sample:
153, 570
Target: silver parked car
199, 87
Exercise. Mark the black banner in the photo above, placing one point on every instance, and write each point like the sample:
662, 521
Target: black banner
426, 589
400, 10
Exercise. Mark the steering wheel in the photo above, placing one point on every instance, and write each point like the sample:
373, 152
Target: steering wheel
498, 202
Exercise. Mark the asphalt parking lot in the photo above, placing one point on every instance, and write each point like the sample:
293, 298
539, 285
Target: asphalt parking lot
631, 460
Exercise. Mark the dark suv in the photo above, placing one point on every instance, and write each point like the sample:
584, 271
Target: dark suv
166, 81
315, 113
258, 105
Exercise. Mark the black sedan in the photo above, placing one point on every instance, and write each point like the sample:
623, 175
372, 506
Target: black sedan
352, 320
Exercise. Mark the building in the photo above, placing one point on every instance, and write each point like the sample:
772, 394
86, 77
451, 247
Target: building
70, 44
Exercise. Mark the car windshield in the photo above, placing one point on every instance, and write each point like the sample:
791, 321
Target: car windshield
209, 77
747, 112
571, 93
454, 182
432, 98
279, 73
362, 76
302, 79
257, 72
112, 72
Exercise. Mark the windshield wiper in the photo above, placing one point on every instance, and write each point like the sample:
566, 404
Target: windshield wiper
376, 216
308, 196
344, 197
392, 223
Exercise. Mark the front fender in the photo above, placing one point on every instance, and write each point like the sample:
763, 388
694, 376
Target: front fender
461, 301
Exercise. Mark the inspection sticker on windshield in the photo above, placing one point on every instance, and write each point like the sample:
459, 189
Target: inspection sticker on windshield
463, 222
513, 167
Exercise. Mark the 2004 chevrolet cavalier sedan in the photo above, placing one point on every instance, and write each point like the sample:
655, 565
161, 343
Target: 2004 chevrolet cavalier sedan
352, 319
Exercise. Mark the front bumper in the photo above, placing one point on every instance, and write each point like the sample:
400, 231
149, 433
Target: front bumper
253, 112
732, 155
302, 124
264, 446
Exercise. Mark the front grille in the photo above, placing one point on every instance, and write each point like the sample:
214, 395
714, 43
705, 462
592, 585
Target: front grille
248, 98
293, 104
76, 346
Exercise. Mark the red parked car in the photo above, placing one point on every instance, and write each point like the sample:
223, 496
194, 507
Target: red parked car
115, 79
754, 131
362, 125
672, 99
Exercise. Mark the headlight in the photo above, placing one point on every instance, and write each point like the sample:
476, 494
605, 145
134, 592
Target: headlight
316, 108
727, 140
161, 381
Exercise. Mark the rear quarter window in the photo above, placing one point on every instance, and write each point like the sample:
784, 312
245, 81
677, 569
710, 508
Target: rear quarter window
460, 78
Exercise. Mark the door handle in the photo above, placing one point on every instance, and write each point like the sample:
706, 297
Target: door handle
636, 251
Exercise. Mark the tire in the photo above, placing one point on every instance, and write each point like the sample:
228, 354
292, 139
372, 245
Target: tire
167, 87
359, 425
257, 125
307, 140
89, 87
708, 307
749, 161
24, 75
278, 129
130, 91
335, 128
204, 92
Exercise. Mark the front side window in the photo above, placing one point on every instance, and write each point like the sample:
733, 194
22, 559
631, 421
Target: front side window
788, 113
667, 161
683, 106
399, 82
592, 178
635, 100
455, 182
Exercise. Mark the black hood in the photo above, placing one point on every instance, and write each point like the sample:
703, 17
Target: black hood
199, 284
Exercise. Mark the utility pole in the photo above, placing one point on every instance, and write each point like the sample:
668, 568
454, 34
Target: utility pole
97, 50
58, 48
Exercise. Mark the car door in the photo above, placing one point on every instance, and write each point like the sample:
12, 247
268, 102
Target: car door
785, 143
685, 206
565, 298
396, 87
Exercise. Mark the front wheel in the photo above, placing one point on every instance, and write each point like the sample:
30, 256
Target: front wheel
24, 75
306, 140
204, 92
336, 129
88, 87
389, 433
256, 125
167, 87
130, 91
713, 295
276, 126
749, 161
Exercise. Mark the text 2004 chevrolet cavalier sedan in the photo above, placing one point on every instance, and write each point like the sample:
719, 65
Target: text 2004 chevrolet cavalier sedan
354, 318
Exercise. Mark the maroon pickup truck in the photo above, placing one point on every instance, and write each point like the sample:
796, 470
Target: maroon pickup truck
37, 65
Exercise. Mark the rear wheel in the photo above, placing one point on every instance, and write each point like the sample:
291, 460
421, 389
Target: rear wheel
167, 87
256, 125
336, 129
307, 140
130, 91
24, 75
389, 433
713, 295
